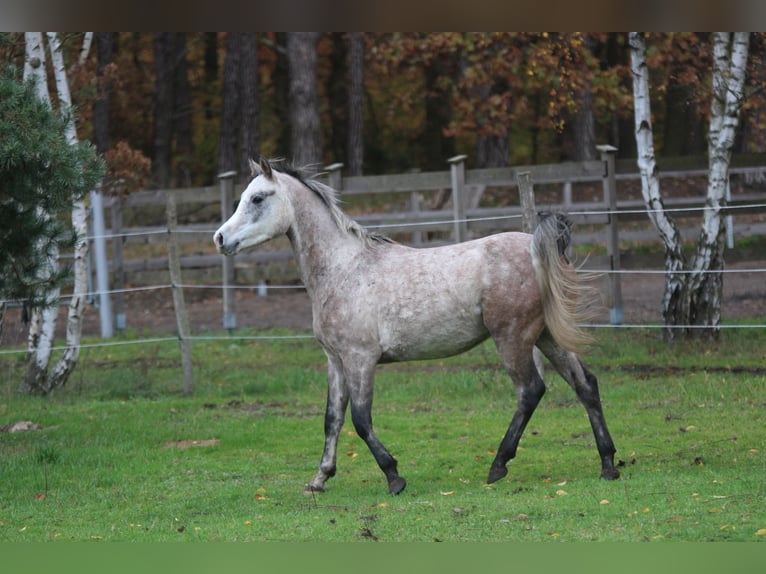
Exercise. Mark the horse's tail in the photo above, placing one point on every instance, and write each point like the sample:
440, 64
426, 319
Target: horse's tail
561, 293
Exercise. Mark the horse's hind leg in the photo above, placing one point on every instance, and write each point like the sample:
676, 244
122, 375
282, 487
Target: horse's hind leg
585, 385
530, 388
335, 413
360, 384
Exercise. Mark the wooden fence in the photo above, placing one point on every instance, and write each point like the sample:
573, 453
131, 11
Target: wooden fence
453, 213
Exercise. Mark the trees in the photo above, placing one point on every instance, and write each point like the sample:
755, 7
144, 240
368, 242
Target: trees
163, 108
303, 98
44, 173
692, 296
355, 146
240, 113
511, 96
251, 108
32, 142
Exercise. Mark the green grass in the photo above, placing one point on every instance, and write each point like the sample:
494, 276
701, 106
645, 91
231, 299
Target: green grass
688, 422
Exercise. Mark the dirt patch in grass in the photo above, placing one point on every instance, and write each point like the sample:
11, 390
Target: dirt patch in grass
191, 443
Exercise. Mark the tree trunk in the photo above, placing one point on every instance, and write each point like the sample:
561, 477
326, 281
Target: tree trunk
583, 124
281, 81
211, 71
228, 158
493, 150
163, 108
355, 146
183, 129
674, 305
730, 53
42, 323
42, 326
251, 137
336, 93
437, 148
692, 297
104, 50
306, 135
584, 129
68, 361
85, 51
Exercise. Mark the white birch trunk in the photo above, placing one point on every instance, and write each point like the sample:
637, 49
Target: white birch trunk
87, 41
673, 301
68, 360
730, 54
42, 323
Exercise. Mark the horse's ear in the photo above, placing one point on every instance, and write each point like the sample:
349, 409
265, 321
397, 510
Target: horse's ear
265, 167
254, 169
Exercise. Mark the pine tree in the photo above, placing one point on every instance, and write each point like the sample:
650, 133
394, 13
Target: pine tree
40, 173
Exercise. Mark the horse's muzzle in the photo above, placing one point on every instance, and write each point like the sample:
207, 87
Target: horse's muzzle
220, 245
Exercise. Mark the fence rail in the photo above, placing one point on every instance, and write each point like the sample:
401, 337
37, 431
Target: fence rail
454, 213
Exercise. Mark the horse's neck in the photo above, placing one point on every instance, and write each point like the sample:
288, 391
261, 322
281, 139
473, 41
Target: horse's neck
320, 246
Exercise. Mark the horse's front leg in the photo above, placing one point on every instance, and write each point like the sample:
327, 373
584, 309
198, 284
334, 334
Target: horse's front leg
335, 414
360, 384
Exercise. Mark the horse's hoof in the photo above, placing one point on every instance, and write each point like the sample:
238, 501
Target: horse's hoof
496, 473
610, 474
310, 489
397, 485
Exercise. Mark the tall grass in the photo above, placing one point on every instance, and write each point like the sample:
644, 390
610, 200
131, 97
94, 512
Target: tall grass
123, 456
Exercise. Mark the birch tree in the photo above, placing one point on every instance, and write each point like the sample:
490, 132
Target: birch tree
692, 296
42, 326
42, 323
66, 364
730, 53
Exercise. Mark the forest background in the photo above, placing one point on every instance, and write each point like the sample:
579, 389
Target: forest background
176, 109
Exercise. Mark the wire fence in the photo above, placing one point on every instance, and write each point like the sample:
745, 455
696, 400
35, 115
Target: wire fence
231, 336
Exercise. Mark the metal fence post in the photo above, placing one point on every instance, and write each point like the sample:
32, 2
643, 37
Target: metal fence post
102, 263
457, 169
227, 207
609, 182
118, 269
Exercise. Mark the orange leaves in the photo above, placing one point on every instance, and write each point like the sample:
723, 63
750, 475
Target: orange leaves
127, 170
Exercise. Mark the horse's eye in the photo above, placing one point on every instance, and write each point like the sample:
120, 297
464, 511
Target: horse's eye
257, 199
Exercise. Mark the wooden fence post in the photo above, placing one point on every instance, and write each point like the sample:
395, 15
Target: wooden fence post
335, 176
527, 201
182, 318
457, 169
529, 221
227, 207
609, 182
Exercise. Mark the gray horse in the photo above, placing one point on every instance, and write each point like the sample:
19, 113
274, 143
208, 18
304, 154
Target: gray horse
377, 301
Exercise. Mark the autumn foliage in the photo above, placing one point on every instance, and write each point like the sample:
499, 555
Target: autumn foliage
501, 98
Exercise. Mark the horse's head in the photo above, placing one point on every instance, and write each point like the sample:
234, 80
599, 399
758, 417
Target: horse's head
264, 212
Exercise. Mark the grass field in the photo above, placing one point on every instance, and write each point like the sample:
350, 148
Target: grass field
123, 456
